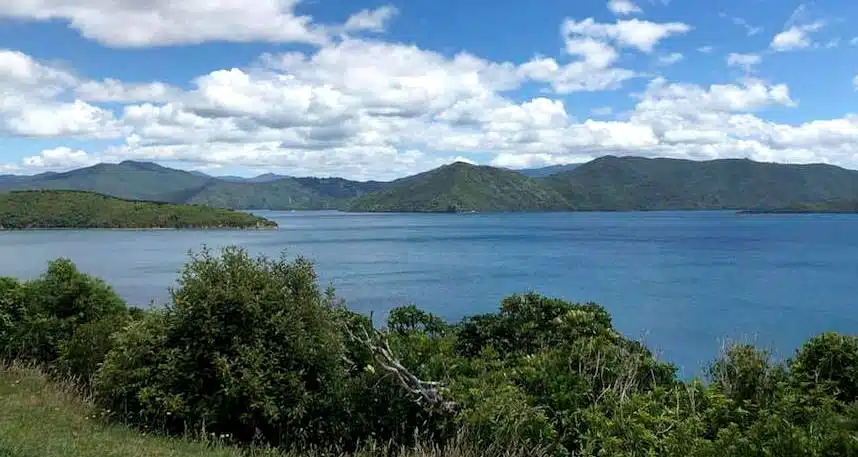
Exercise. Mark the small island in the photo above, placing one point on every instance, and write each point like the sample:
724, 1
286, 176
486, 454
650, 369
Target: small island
55, 209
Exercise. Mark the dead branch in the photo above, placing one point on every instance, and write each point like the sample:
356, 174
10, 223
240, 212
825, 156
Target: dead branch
426, 392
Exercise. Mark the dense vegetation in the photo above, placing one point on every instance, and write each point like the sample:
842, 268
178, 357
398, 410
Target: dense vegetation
635, 183
609, 184
463, 187
78, 209
252, 351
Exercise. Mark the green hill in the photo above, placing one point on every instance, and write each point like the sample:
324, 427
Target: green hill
129, 179
80, 209
635, 183
149, 181
462, 187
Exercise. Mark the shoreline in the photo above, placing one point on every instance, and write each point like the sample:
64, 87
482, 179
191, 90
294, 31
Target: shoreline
137, 229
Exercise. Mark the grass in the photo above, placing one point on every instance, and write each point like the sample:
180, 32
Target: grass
41, 418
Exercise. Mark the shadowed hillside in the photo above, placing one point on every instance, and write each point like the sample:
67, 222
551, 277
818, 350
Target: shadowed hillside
635, 183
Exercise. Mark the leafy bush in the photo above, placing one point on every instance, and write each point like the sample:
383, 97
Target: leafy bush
11, 313
63, 319
253, 349
829, 360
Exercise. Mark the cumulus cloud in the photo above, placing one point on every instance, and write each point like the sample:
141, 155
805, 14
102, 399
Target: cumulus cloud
744, 61
592, 70
31, 104
623, 7
130, 23
795, 37
633, 33
372, 20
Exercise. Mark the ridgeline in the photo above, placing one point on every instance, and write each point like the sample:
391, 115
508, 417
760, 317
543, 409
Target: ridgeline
606, 184
44, 209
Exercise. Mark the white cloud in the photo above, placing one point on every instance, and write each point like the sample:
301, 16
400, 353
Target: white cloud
112, 90
745, 61
670, 59
854, 41
623, 7
22, 75
633, 33
705, 49
372, 20
795, 37
855, 82
130, 23
31, 105
59, 158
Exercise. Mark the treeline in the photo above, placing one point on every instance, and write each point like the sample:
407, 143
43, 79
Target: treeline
252, 349
79, 209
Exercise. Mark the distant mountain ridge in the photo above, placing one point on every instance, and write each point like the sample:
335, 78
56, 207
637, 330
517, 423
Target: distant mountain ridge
609, 183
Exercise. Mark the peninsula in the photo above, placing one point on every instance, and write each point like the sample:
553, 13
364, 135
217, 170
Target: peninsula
44, 209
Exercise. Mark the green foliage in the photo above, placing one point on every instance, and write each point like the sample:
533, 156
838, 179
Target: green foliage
64, 319
251, 348
75, 209
636, 183
409, 319
12, 312
829, 361
461, 187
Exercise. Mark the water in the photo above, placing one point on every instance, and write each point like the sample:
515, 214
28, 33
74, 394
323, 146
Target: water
683, 282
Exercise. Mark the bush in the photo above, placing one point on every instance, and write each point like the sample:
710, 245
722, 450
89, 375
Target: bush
63, 319
253, 349
11, 314
830, 361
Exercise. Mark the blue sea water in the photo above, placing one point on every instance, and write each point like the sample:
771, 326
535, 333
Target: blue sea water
683, 282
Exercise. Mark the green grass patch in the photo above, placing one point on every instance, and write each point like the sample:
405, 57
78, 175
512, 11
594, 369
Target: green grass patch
42, 419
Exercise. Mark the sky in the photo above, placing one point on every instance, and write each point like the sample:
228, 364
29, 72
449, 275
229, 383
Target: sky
368, 89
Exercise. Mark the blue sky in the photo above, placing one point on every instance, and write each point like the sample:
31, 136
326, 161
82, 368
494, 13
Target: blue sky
378, 90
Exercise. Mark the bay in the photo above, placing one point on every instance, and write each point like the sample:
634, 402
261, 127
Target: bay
683, 282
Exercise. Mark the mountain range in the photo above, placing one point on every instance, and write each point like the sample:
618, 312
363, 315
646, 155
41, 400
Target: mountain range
608, 183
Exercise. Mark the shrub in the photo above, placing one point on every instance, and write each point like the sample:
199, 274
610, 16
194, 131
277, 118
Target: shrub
11, 314
829, 360
63, 319
251, 348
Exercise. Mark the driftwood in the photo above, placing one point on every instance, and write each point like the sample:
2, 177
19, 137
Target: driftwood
426, 392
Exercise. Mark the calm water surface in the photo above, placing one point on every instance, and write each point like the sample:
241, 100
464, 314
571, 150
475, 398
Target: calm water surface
682, 282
